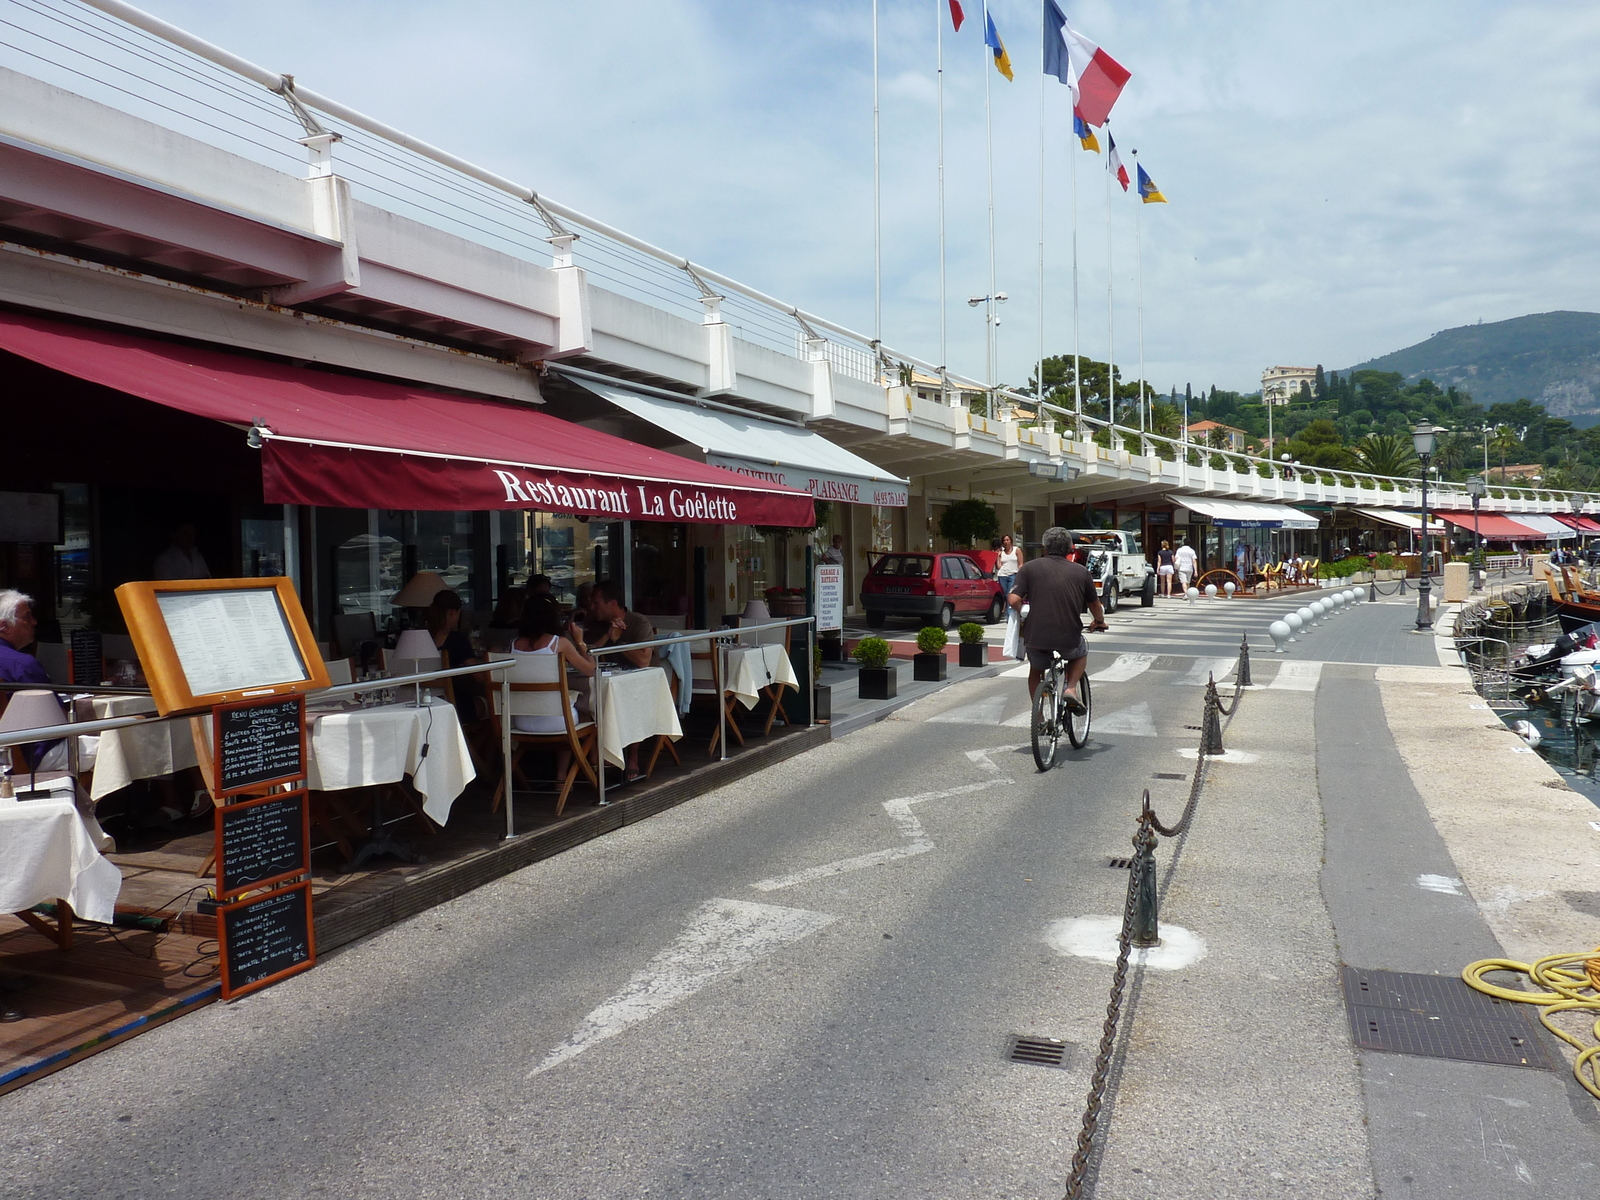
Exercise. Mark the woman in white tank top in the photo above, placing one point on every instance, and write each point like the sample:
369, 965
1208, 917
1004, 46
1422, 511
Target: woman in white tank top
539, 632
1007, 564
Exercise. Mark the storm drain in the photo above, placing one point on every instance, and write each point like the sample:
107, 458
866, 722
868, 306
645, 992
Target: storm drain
1040, 1051
1119, 864
1438, 1016
1171, 774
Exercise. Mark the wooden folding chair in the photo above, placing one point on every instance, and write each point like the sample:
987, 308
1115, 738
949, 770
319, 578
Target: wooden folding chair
706, 680
539, 689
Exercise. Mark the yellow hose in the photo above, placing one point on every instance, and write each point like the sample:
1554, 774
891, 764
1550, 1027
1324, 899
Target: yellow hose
1565, 990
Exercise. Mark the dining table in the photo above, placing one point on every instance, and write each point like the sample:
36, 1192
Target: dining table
143, 751
47, 853
351, 746
750, 670
635, 705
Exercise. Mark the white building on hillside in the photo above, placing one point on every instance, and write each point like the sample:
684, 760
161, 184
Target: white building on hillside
1279, 385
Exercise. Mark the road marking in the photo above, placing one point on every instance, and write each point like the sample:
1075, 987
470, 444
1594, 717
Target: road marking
985, 712
722, 936
1298, 676
1020, 671
1206, 669
1444, 884
1231, 756
1133, 722
1127, 666
1096, 938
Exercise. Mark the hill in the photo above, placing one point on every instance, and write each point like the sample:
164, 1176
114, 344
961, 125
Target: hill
1550, 358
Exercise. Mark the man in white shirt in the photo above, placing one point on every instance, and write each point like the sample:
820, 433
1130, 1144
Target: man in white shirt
182, 559
1185, 559
835, 553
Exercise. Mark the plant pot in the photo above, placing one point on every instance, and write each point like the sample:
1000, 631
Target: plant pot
822, 701
877, 683
928, 668
974, 654
786, 606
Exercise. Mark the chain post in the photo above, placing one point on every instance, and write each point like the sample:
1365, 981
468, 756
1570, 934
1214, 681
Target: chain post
1211, 725
1244, 661
1372, 587
1147, 910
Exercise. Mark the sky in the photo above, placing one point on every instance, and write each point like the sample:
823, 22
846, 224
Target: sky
1343, 180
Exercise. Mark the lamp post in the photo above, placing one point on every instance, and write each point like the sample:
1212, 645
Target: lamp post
1423, 439
991, 323
1477, 489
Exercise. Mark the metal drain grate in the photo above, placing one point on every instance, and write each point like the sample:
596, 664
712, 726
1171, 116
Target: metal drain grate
1119, 864
1438, 1016
1040, 1051
1170, 775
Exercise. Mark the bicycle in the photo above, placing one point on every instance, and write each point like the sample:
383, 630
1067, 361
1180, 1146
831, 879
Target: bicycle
1052, 717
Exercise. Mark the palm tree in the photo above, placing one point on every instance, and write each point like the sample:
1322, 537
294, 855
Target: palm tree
1504, 440
1386, 454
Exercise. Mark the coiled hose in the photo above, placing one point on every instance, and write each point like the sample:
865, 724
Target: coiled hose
1570, 983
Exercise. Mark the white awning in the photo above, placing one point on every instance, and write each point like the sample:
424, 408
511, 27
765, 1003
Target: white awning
1400, 520
1549, 526
1246, 514
782, 454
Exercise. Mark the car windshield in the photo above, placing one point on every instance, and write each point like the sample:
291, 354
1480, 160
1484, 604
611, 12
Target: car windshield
915, 565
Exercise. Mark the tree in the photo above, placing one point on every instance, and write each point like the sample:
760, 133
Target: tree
1322, 386
1503, 441
1386, 454
967, 521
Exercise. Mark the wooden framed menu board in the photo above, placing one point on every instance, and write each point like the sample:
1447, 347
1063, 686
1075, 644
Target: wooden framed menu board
205, 642
258, 743
265, 938
262, 842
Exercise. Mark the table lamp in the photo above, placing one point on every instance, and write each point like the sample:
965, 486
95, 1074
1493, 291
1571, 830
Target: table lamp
415, 652
754, 611
32, 709
420, 590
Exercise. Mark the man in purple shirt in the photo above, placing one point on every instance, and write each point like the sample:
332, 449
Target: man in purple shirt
16, 631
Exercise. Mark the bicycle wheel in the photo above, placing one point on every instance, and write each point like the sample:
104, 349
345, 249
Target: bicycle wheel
1046, 726
1078, 723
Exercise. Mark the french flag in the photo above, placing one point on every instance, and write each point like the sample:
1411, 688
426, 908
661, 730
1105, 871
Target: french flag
1096, 79
1114, 162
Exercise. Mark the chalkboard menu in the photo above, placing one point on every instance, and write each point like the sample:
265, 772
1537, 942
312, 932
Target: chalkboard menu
265, 938
258, 743
86, 666
262, 842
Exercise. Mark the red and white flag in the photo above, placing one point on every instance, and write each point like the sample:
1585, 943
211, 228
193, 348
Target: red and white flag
1114, 161
1098, 79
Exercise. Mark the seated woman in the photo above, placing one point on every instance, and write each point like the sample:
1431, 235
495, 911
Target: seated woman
540, 633
455, 649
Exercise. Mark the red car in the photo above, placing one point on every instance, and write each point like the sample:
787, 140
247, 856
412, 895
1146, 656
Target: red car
933, 588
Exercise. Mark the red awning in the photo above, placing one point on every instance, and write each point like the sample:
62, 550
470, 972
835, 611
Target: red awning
345, 442
1495, 526
1581, 524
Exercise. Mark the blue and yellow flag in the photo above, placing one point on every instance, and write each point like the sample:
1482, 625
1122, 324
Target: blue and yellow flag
1148, 192
1085, 134
991, 38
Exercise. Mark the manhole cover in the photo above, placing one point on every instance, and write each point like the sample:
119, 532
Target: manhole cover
1438, 1016
1040, 1051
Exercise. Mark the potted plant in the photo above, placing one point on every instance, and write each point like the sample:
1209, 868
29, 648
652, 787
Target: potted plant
929, 665
786, 602
821, 693
973, 652
876, 680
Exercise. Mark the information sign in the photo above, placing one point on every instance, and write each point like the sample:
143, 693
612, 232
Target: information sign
830, 597
86, 667
262, 842
265, 938
259, 743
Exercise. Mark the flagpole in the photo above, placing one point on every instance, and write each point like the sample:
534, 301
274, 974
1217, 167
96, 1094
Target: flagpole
944, 357
988, 137
1111, 330
1042, 416
1077, 367
877, 206
1138, 241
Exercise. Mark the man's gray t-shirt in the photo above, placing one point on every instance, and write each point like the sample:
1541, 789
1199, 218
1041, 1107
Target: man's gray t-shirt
1057, 593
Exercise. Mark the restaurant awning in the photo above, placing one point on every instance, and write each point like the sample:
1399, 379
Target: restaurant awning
1400, 520
1546, 526
783, 454
1495, 526
342, 441
1246, 514
1582, 524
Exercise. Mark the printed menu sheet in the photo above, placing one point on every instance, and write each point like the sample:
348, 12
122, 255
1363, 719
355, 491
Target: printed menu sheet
231, 640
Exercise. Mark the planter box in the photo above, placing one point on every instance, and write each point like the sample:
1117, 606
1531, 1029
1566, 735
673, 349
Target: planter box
928, 668
974, 654
877, 683
822, 697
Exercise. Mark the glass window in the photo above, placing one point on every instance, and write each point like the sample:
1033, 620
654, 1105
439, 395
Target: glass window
261, 541
971, 568
757, 563
660, 567
573, 551
916, 565
368, 567
444, 545
73, 606
952, 568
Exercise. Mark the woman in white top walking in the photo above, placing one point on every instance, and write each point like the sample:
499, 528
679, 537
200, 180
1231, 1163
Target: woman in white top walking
1008, 564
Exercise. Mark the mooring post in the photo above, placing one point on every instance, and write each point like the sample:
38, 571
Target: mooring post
1211, 726
1147, 902
1244, 660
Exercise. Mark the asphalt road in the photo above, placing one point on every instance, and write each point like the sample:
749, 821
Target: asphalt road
801, 985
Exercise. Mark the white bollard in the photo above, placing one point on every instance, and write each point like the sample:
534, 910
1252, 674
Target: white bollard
1307, 617
1295, 623
1211, 591
1193, 594
1318, 611
1279, 632
1229, 588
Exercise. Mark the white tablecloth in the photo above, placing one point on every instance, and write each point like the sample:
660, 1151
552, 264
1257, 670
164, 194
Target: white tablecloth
367, 746
677, 656
635, 705
751, 668
46, 853
141, 752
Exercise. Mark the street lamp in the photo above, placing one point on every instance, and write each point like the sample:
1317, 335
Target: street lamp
1423, 439
991, 322
1477, 489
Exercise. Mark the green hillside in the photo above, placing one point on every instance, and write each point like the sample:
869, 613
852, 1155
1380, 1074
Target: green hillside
1551, 358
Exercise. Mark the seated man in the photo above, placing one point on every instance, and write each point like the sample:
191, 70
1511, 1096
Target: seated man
17, 627
611, 624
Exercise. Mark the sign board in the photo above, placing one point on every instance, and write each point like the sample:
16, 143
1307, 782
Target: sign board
262, 842
258, 743
265, 938
830, 597
204, 642
86, 666
885, 493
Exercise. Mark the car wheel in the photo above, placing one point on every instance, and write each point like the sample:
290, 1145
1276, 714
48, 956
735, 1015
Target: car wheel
947, 616
875, 620
1110, 601
1147, 597
997, 611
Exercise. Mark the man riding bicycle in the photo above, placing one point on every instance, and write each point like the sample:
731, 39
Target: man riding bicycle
1057, 593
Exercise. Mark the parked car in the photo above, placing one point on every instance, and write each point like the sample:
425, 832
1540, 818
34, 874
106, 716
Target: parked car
1118, 565
936, 589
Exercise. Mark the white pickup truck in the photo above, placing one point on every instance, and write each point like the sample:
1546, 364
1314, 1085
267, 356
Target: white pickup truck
1117, 562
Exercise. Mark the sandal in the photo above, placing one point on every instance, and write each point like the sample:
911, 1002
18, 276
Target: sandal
1074, 705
